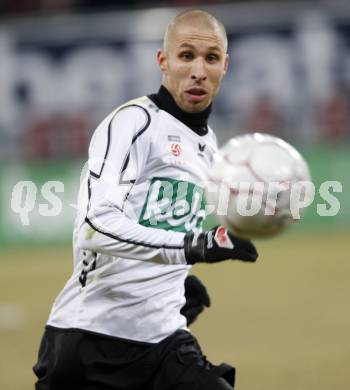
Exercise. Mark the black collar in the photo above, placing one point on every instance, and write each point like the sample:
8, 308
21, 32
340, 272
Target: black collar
195, 121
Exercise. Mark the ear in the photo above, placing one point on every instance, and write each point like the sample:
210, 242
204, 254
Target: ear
162, 59
227, 60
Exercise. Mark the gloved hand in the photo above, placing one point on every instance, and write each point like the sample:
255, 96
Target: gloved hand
196, 299
217, 245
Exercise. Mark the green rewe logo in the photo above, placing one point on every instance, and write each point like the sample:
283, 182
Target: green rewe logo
173, 205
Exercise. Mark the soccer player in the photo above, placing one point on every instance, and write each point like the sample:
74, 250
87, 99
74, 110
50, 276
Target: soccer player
121, 320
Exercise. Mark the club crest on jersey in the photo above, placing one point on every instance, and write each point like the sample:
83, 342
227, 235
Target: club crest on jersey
222, 238
176, 150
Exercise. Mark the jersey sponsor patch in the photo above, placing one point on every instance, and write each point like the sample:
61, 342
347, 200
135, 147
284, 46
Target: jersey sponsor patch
174, 205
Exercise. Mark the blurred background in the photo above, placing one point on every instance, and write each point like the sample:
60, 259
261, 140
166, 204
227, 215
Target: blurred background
65, 64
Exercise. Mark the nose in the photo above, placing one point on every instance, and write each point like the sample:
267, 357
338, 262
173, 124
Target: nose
198, 70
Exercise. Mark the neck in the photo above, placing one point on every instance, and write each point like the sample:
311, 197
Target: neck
196, 121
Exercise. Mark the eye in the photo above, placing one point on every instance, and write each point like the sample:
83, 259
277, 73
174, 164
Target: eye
186, 55
212, 57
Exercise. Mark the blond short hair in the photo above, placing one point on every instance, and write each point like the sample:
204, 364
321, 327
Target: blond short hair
194, 17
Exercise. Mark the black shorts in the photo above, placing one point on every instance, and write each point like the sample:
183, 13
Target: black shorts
74, 359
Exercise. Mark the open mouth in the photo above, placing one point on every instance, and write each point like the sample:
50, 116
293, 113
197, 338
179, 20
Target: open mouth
196, 93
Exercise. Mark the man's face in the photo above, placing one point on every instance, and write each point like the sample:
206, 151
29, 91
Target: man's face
194, 65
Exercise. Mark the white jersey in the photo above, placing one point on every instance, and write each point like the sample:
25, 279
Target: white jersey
142, 192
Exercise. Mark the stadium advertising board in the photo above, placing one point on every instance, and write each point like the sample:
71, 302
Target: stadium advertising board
289, 78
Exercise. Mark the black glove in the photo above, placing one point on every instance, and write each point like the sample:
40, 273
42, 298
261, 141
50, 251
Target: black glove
196, 298
217, 245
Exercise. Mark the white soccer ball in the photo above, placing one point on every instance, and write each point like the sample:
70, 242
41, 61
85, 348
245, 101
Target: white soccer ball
258, 185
